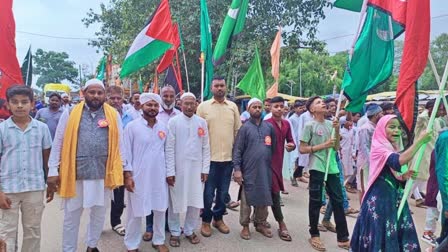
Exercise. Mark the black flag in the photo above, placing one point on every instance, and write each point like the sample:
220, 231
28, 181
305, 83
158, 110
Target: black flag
27, 68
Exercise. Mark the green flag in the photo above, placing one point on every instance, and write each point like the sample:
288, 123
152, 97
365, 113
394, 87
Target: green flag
351, 5
373, 58
102, 69
206, 49
253, 82
27, 68
232, 26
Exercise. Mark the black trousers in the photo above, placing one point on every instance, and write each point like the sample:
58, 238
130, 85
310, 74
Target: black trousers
117, 206
298, 172
276, 207
334, 191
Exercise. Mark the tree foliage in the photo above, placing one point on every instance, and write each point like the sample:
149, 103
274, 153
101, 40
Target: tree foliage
121, 20
53, 67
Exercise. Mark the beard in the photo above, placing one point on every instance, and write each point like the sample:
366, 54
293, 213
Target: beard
255, 115
168, 107
151, 114
94, 104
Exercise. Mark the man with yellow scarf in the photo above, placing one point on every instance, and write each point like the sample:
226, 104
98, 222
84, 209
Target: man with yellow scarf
86, 163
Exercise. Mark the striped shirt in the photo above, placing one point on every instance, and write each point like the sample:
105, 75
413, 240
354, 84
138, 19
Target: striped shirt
21, 161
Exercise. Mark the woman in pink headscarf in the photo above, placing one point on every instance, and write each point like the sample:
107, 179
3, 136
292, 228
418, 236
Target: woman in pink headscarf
377, 227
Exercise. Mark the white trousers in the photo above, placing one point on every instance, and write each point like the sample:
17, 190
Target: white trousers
71, 227
418, 186
191, 221
31, 206
133, 234
432, 215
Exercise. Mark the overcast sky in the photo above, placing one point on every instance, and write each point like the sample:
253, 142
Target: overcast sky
62, 18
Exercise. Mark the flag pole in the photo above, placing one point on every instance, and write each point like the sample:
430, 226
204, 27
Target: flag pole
352, 49
421, 151
436, 75
202, 60
28, 68
186, 70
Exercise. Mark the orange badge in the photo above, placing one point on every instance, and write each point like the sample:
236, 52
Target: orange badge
162, 135
267, 140
201, 132
103, 123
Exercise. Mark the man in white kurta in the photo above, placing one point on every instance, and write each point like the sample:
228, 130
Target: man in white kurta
145, 174
91, 190
188, 164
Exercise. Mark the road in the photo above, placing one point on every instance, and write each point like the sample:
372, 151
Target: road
295, 212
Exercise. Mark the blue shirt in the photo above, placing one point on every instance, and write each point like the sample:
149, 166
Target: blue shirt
21, 161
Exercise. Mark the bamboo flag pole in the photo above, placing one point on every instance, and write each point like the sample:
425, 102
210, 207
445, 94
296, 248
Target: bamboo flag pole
436, 75
333, 132
186, 71
421, 151
202, 60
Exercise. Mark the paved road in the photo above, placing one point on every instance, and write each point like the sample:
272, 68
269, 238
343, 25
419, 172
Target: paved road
295, 212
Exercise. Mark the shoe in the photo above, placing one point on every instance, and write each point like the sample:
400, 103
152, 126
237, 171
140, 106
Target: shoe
329, 226
429, 238
206, 231
221, 226
89, 249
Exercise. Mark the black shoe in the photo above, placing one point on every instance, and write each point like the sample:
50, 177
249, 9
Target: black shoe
93, 250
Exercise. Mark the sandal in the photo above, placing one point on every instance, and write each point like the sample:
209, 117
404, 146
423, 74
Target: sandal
147, 236
317, 244
284, 235
119, 229
264, 230
245, 235
175, 241
193, 238
232, 205
344, 245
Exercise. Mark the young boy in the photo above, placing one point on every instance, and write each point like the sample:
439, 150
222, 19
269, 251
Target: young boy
24, 150
316, 140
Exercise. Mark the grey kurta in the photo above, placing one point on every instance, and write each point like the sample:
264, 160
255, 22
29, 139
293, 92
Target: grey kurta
252, 154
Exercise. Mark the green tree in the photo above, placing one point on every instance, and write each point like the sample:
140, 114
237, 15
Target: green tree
54, 67
314, 73
439, 52
121, 20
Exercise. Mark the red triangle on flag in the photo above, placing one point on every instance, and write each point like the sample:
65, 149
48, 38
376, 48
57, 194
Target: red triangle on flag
161, 24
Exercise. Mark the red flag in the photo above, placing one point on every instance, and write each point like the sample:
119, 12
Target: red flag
415, 56
161, 23
168, 57
10, 72
9, 66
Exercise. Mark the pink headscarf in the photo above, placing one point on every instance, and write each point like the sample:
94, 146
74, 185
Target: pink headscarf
380, 150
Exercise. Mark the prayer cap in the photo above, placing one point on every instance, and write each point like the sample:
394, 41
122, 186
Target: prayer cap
251, 101
146, 97
373, 109
63, 95
188, 94
93, 82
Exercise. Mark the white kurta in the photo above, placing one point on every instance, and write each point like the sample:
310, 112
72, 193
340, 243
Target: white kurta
91, 194
347, 141
145, 155
188, 155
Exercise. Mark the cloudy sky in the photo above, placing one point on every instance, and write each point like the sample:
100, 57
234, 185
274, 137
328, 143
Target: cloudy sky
39, 21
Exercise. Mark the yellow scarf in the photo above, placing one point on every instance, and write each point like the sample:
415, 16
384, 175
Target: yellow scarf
67, 171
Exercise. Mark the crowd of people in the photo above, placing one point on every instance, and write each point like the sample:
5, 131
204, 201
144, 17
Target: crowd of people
173, 157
